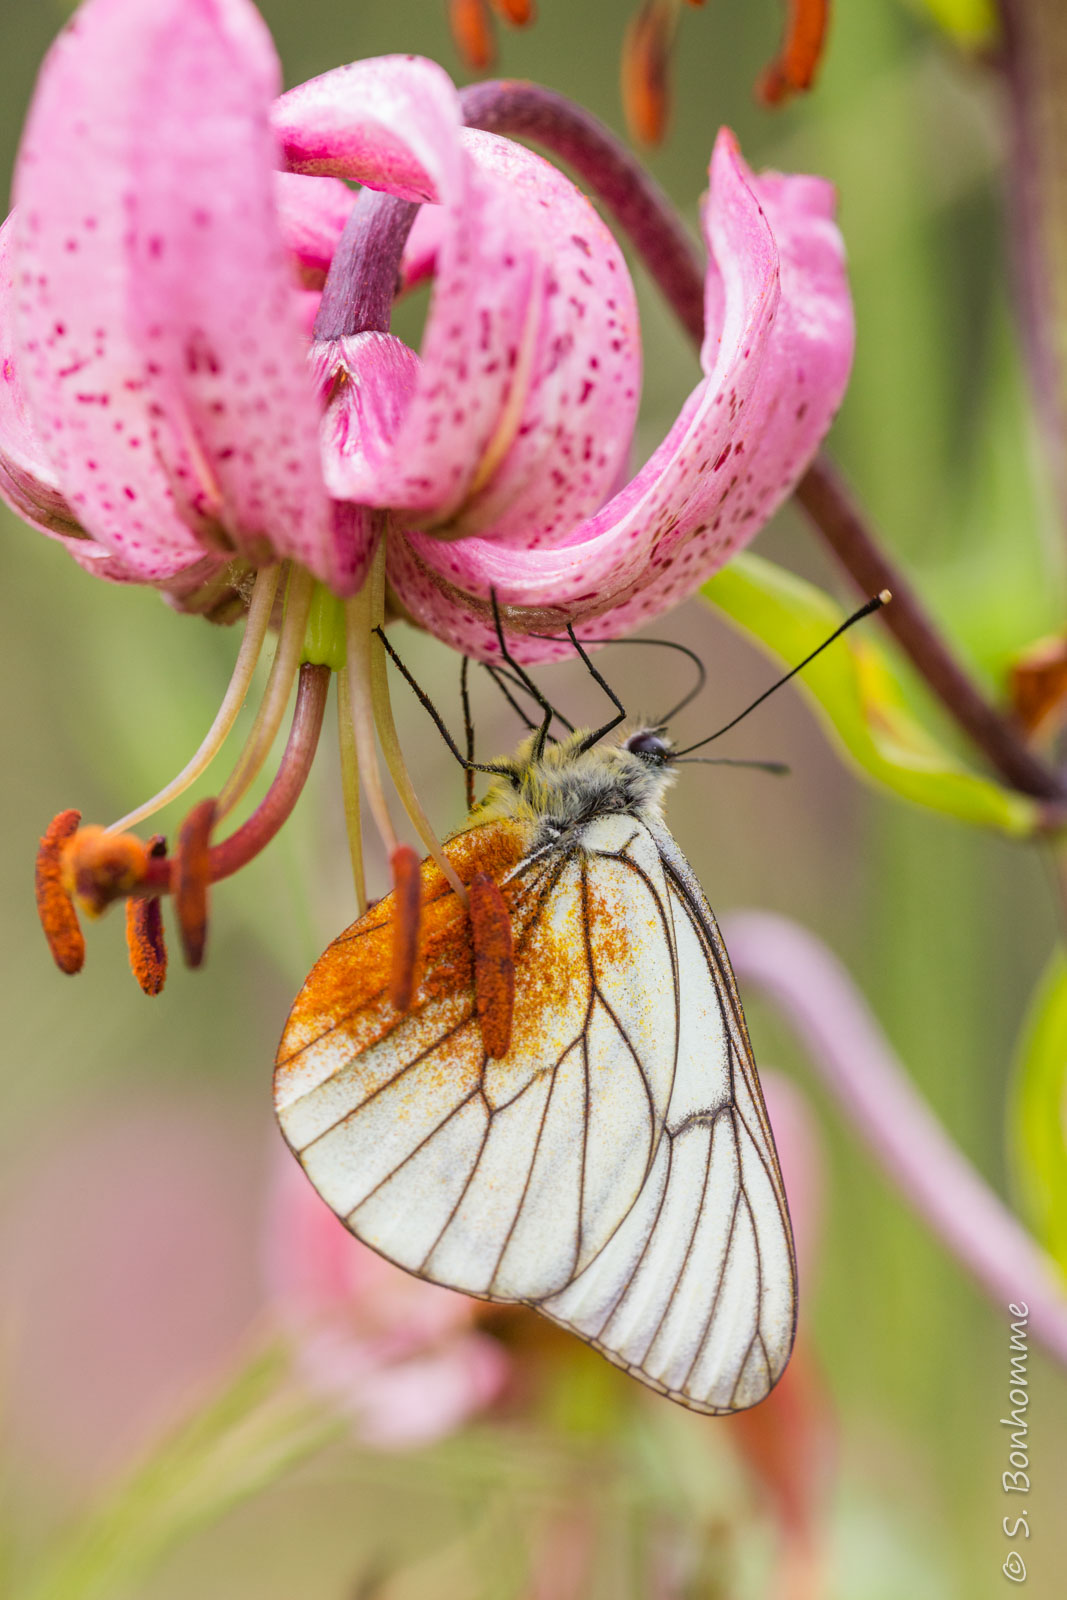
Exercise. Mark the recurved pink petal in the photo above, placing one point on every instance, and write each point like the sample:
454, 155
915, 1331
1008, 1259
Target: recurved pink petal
777, 357
156, 298
365, 383
530, 364
28, 480
390, 122
567, 417
395, 124
312, 213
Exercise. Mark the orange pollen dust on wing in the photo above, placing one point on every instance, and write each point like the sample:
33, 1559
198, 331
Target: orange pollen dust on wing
144, 933
352, 981
494, 963
795, 66
54, 904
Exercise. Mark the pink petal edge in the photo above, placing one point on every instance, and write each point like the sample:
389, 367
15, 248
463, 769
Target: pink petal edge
779, 360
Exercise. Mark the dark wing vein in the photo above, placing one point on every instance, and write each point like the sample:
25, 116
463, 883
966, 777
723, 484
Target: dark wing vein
389, 1082
680, 1274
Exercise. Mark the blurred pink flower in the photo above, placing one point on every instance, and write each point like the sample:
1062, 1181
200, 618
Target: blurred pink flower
158, 413
403, 1358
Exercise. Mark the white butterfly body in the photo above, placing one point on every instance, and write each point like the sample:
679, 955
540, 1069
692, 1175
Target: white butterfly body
615, 1169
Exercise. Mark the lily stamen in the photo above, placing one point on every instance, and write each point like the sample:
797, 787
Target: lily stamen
259, 614
189, 875
96, 866
54, 904
283, 673
145, 943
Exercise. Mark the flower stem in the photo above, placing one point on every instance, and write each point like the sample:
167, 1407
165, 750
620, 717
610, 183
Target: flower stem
853, 1058
645, 214
1035, 62
636, 201
826, 498
279, 687
259, 615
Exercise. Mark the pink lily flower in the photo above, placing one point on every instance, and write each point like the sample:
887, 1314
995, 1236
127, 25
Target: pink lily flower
199, 383
404, 1359
157, 393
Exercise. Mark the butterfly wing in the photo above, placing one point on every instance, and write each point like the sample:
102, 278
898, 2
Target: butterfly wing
503, 1178
695, 1293
616, 1168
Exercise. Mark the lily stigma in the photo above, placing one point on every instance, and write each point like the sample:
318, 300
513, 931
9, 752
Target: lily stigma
201, 392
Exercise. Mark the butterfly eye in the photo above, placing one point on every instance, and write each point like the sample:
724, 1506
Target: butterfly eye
648, 744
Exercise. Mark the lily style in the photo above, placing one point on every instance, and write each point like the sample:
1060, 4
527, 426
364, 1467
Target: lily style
201, 392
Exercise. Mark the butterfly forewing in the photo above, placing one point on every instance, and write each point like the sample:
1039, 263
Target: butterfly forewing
615, 1168
501, 1178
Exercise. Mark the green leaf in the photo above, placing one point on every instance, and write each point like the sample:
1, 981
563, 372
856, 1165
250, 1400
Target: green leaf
1038, 1111
857, 696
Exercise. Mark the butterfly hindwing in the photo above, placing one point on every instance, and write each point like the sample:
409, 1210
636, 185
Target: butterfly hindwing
695, 1293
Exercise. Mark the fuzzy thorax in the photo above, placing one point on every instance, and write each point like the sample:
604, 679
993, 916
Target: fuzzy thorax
566, 787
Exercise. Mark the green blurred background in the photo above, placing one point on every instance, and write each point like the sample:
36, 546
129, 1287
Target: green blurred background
946, 930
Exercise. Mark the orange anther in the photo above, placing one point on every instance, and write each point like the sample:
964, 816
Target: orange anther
144, 933
797, 62
99, 867
472, 32
518, 12
54, 905
645, 81
407, 913
494, 963
191, 877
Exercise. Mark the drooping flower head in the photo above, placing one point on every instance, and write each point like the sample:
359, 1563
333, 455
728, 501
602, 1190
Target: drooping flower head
201, 391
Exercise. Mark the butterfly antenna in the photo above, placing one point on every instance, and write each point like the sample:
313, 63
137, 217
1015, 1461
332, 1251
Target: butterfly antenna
427, 704
501, 677
468, 731
620, 710
874, 604
662, 644
525, 679
778, 769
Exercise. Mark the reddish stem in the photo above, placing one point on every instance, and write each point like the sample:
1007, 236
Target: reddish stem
274, 810
827, 500
646, 215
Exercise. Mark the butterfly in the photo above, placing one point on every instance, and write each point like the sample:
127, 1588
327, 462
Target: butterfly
589, 1137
